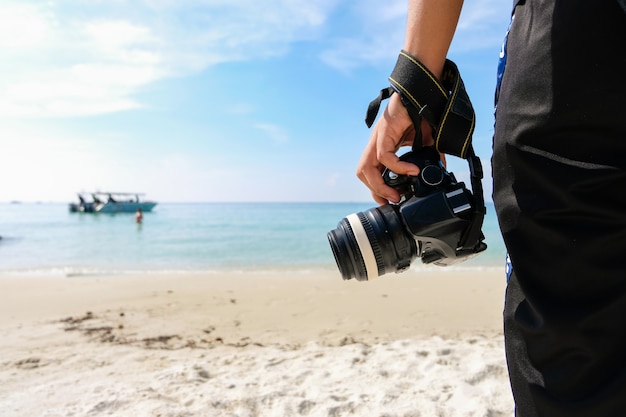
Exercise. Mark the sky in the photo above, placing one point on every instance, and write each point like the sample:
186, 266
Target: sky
211, 100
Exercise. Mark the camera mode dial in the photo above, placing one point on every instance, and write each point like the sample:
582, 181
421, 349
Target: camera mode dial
432, 175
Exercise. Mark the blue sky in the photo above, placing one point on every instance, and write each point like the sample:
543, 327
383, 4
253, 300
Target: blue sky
215, 100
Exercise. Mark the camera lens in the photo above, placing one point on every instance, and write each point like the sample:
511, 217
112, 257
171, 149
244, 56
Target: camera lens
372, 243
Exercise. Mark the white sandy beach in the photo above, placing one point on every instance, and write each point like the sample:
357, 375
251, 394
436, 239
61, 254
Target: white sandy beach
263, 344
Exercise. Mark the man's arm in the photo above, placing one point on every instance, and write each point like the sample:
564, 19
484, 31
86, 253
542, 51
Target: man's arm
430, 28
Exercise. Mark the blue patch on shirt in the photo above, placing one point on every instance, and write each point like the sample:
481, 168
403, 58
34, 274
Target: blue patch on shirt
508, 268
502, 62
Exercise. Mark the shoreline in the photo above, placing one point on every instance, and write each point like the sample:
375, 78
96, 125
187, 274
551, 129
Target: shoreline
428, 303
279, 269
276, 344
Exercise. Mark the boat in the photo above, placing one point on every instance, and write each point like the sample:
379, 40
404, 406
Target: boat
109, 202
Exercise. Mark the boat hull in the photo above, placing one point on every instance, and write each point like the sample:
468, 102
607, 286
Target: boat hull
112, 207
124, 207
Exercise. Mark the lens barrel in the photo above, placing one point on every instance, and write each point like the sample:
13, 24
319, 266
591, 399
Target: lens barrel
372, 243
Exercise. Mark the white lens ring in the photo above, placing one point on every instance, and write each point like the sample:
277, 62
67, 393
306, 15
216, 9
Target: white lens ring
371, 266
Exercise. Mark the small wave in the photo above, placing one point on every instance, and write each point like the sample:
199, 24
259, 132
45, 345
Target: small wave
252, 270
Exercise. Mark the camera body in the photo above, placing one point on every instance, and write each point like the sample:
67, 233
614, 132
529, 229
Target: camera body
434, 206
431, 222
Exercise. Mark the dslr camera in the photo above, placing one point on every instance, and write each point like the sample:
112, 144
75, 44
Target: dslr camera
438, 220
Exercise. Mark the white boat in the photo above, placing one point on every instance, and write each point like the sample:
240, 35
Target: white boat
109, 202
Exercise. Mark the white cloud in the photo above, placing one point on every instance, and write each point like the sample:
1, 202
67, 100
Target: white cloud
77, 58
377, 39
36, 167
277, 134
113, 35
78, 68
381, 35
21, 26
68, 57
482, 25
41, 165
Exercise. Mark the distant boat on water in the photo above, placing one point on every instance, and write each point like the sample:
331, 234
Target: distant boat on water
109, 202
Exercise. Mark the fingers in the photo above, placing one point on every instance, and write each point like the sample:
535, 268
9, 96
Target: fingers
393, 130
369, 171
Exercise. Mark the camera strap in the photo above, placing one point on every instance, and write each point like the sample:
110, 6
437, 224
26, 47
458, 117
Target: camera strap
444, 105
447, 108
473, 236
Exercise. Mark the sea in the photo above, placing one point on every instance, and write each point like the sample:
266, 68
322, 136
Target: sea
46, 239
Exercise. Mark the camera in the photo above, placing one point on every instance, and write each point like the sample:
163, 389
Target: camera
438, 220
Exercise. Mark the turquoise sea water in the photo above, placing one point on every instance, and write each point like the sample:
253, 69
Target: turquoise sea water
176, 237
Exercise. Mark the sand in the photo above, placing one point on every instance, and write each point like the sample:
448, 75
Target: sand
272, 343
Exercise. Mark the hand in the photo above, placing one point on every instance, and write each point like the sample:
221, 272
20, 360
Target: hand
394, 130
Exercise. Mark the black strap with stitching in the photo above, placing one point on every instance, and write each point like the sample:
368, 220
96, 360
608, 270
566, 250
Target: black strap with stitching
444, 104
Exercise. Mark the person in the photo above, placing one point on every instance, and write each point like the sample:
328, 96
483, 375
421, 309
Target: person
559, 175
139, 215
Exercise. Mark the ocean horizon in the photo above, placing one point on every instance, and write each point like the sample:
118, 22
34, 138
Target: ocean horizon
46, 239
